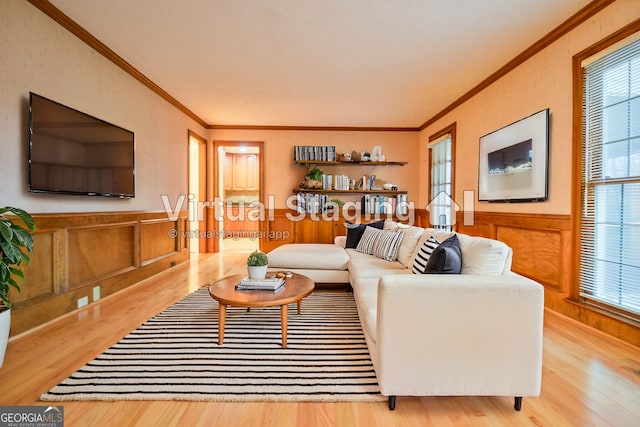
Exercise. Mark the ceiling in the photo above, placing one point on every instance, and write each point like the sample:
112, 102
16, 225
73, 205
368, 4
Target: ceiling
360, 63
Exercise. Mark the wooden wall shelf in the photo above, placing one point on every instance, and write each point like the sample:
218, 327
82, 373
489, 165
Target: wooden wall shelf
320, 191
318, 162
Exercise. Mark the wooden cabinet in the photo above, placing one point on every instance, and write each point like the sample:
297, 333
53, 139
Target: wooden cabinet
241, 172
252, 169
228, 171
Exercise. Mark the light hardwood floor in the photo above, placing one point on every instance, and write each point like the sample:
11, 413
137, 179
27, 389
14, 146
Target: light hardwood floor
588, 378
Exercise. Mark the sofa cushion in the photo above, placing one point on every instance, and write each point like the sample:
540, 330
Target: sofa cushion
317, 256
422, 255
446, 258
354, 232
484, 256
367, 266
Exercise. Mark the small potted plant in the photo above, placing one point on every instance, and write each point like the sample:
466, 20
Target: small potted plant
313, 179
13, 239
257, 265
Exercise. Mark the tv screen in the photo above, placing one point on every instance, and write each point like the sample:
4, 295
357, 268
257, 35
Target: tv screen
74, 153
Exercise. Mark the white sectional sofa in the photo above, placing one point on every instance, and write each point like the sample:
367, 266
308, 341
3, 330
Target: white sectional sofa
474, 333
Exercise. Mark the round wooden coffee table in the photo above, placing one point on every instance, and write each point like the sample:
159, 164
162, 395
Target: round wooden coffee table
224, 291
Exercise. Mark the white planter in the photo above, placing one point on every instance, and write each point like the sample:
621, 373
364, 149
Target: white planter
257, 272
5, 323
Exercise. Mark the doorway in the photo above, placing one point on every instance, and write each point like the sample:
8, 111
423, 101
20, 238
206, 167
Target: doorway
239, 173
197, 193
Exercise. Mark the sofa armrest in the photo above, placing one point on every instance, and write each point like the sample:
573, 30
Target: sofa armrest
459, 335
340, 241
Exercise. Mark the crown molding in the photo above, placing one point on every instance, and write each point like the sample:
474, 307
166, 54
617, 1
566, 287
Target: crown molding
318, 128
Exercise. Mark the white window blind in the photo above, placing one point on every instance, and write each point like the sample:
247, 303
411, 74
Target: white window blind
441, 209
610, 184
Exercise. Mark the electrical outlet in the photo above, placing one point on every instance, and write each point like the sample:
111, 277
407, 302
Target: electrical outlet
96, 293
83, 301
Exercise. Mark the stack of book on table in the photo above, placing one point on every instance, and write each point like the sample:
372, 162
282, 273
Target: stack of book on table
269, 283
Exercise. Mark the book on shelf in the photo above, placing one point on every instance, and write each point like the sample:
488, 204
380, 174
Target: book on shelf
327, 181
372, 203
366, 183
311, 202
341, 182
269, 283
322, 153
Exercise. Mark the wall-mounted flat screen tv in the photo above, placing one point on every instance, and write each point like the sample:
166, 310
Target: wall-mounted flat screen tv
513, 163
71, 152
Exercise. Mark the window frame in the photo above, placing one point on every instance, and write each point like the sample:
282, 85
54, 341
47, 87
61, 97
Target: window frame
449, 130
577, 167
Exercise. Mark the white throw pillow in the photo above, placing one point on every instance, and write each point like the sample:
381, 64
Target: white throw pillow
409, 243
482, 255
422, 255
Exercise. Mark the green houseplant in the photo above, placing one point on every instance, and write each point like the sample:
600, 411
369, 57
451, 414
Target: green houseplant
14, 238
257, 265
257, 258
313, 179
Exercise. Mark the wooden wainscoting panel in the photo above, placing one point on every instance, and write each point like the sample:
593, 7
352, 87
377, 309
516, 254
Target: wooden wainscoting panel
100, 251
183, 238
159, 238
313, 230
74, 252
279, 230
477, 229
536, 253
40, 274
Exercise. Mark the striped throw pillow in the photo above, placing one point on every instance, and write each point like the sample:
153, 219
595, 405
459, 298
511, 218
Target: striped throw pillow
387, 245
368, 240
423, 254
383, 244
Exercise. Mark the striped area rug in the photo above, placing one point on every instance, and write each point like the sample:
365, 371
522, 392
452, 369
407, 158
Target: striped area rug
175, 356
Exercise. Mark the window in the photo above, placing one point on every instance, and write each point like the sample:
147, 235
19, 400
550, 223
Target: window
442, 213
610, 182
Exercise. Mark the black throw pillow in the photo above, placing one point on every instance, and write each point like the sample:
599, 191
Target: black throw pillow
446, 258
355, 231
